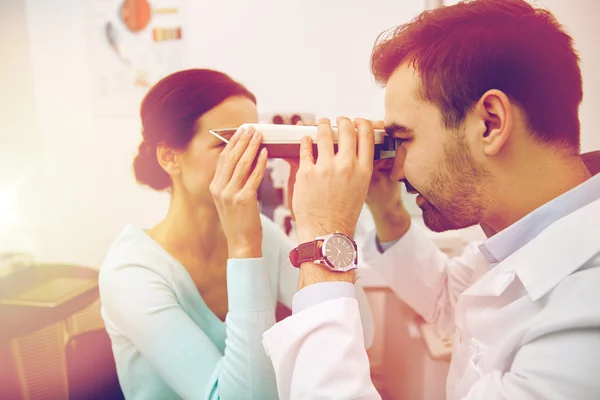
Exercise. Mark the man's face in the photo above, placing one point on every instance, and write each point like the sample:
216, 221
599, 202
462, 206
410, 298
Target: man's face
436, 162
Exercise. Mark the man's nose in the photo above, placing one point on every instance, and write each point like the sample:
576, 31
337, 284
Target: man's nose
397, 173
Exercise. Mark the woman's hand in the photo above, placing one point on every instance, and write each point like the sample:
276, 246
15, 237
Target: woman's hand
234, 187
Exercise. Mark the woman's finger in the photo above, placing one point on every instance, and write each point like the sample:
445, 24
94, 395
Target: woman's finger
243, 167
232, 142
258, 173
230, 159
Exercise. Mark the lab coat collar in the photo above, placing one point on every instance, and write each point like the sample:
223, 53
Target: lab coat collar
504, 243
542, 263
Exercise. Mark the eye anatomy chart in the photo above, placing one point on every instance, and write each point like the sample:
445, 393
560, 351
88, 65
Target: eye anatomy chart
132, 44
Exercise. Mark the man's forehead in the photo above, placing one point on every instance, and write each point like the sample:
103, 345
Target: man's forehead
402, 98
404, 84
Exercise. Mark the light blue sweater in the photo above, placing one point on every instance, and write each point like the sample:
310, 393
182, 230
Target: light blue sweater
168, 344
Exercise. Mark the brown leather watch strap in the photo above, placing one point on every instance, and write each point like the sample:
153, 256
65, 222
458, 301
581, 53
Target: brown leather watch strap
304, 253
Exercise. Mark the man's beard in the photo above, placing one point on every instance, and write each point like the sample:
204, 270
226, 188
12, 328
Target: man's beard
437, 221
454, 199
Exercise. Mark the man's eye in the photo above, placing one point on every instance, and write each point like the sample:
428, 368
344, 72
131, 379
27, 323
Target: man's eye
400, 141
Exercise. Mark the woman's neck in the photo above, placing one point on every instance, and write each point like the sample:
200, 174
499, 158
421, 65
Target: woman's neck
190, 230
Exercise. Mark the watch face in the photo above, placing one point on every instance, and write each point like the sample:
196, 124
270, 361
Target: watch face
340, 251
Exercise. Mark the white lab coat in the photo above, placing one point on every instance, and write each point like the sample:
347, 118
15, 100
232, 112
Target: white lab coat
529, 328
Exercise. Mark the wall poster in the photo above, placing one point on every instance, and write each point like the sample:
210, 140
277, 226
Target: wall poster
131, 45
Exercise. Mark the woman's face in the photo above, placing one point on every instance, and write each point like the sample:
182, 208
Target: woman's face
198, 162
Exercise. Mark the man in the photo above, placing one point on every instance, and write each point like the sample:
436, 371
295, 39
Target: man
419, 254
484, 98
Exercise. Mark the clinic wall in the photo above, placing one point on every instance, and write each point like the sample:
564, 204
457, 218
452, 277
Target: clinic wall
308, 55
86, 187
580, 19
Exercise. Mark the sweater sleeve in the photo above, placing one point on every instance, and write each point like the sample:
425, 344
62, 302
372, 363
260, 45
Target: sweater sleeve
142, 305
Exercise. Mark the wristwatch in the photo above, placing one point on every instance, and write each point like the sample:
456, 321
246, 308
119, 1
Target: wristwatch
335, 251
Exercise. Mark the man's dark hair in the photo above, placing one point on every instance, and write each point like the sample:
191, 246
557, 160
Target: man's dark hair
464, 50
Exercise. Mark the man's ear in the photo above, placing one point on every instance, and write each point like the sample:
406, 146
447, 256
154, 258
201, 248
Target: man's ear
168, 159
494, 109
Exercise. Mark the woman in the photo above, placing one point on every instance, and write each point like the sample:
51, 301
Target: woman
184, 307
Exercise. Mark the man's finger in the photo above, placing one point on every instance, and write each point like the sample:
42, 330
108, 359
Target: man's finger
398, 167
306, 152
378, 125
324, 141
366, 140
346, 138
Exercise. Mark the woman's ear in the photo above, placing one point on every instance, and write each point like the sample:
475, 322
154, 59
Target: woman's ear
494, 108
168, 159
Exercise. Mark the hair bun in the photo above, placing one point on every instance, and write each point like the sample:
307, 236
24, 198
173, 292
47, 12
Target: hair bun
145, 147
147, 170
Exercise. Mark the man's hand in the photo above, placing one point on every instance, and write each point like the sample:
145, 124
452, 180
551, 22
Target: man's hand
294, 166
329, 193
384, 199
384, 193
385, 203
